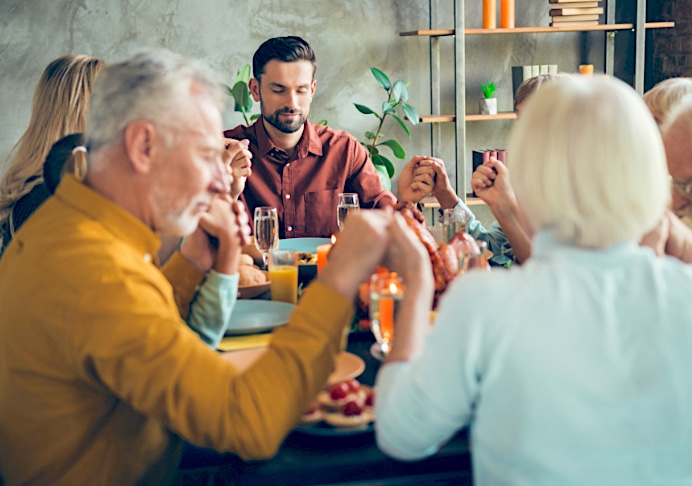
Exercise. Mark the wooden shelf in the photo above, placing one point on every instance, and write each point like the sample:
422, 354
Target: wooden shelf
472, 117
537, 30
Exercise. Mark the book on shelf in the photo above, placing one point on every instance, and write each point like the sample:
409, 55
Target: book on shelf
574, 18
576, 4
571, 2
567, 12
578, 23
543, 69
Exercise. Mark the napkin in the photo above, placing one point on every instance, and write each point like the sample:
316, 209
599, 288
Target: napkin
236, 343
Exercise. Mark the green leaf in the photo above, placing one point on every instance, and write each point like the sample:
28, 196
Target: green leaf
254, 117
382, 160
396, 147
387, 108
381, 78
241, 95
400, 92
371, 135
384, 176
365, 110
411, 114
403, 125
243, 74
488, 89
322, 123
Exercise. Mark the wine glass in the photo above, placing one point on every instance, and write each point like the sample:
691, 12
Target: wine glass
348, 202
453, 221
266, 230
386, 294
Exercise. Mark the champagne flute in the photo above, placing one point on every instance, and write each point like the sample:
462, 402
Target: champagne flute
266, 230
452, 222
348, 202
386, 294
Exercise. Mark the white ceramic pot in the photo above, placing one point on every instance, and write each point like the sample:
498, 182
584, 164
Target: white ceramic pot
488, 106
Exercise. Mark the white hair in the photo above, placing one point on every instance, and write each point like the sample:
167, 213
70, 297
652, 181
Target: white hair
665, 96
588, 163
149, 86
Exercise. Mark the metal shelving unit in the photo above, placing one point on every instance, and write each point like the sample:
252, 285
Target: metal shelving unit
435, 33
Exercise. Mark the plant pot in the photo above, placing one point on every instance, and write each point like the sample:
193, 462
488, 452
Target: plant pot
488, 106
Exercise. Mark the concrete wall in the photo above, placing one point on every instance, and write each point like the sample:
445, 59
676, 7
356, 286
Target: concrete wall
348, 36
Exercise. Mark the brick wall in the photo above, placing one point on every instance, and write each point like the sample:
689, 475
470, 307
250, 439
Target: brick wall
670, 50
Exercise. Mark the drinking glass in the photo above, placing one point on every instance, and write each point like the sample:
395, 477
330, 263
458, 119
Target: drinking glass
283, 275
266, 230
386, 294
348, 202
452, 222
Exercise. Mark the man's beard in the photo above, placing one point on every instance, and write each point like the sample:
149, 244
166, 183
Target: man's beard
288, 126
685, 215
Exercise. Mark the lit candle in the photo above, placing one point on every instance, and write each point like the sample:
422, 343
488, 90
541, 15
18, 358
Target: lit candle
322, 252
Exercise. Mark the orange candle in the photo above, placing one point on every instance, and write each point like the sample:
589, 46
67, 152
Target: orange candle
586, 69
489, 14
507, 14
322, 252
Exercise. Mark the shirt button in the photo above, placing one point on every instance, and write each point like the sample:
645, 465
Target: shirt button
290, 228
288, 196
147, 258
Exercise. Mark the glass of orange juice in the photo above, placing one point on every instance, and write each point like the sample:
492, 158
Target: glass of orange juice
386, 294
283, 275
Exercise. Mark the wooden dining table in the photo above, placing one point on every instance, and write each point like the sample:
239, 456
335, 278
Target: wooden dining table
306, 459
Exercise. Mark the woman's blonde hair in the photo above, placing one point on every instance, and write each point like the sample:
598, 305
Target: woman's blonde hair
588, 163
60, 106
665, 96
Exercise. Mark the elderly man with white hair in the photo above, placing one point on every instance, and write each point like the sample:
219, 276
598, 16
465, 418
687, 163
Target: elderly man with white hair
574, 368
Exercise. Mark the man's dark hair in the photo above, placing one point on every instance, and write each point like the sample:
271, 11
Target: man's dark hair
284, 49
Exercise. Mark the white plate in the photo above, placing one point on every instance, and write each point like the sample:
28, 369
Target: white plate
307, 245
253, 316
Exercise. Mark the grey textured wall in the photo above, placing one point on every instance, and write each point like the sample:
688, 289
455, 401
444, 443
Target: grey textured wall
348, 36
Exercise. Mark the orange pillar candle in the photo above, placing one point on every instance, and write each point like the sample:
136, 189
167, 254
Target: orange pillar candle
586, 69
507, 14
489, 14
322, 252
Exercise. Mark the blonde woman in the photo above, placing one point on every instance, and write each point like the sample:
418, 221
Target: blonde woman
573, 368
60, 106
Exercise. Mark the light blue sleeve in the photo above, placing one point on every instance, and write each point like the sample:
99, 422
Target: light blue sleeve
210, 310
494, 236
422, 403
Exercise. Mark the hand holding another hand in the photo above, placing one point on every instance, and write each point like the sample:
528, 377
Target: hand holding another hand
237, 158
416, 180
361, 247
217, 241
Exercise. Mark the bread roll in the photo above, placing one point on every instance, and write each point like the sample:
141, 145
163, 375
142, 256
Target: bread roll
250, 275
246, 260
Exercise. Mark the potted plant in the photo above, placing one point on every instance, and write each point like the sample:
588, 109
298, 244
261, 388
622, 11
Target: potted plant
488, 105
397, 96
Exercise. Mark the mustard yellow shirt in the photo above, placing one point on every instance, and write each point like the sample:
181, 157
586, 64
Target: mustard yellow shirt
100, 377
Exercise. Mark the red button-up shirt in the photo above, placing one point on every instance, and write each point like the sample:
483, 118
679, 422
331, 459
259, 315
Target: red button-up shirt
304, 188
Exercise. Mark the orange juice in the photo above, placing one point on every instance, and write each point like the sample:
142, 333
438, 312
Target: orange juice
283, 281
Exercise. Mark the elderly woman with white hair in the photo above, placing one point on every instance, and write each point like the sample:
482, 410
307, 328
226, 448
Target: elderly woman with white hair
574, 368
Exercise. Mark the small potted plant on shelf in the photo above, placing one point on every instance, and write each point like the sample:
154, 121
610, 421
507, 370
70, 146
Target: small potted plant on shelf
488, 105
